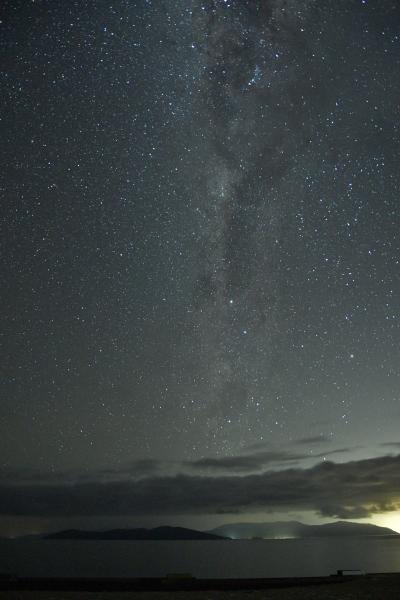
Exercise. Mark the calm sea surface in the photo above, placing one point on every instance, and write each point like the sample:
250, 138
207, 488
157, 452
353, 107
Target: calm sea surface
239, 558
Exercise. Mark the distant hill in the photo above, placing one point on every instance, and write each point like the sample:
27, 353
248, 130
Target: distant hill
159, 533
295, 529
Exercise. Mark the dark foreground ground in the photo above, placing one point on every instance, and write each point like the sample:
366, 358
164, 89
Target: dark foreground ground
369, 587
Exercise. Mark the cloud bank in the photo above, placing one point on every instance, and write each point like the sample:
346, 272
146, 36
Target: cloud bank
354, 489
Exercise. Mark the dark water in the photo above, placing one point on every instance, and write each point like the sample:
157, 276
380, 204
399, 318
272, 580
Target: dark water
240, 558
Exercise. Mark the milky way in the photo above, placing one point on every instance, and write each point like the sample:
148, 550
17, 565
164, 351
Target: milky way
254, 62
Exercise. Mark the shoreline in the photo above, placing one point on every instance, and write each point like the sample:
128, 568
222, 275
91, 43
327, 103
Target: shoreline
187, 583
366, 587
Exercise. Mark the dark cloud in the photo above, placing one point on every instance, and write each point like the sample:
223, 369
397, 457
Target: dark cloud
135, 470
252, 462
316, 439
348, 490
336, 451
244, 462
390, 445
145, 467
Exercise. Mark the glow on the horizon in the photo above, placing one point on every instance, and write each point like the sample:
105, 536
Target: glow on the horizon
389, 519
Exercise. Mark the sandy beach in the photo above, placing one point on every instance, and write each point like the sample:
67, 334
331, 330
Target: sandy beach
380, 587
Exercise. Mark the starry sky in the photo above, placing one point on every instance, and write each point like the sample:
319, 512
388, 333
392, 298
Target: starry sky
200, 261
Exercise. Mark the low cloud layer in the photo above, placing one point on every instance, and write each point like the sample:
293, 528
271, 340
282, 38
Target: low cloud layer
313, 440
349, 490
390, 445
240, 464
253, 462
243, 463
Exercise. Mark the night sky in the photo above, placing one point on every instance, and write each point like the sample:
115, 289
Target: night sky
200, 241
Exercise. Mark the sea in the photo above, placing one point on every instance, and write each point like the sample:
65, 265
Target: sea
207, 559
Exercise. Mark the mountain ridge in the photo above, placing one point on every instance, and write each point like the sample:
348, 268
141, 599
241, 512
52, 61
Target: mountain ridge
296, 529
158, 533
243, 530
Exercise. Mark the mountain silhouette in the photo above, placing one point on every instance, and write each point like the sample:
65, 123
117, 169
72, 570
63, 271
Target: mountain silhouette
158, 533
295, 529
